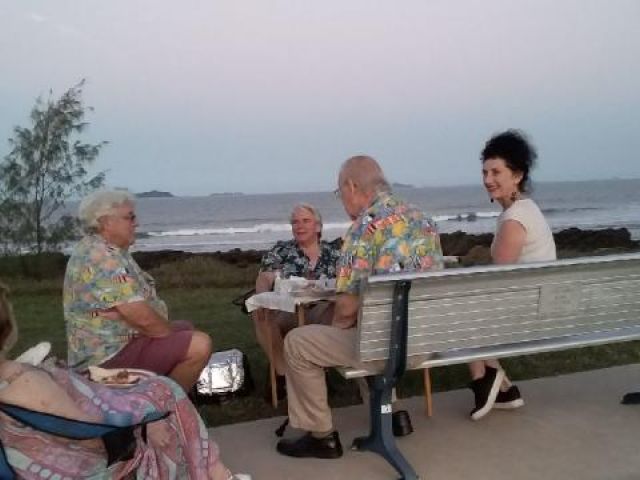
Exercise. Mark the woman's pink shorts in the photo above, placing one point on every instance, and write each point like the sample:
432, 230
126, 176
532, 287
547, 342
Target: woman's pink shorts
159, 355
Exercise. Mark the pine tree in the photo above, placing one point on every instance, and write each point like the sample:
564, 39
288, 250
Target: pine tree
47, 165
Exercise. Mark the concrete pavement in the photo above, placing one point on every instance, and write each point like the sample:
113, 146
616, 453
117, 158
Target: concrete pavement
571, 427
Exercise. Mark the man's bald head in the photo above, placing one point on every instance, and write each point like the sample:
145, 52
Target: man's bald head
364, 172
359, 182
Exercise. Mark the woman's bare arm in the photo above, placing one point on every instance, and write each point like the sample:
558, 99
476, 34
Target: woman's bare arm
509, 242
142, 317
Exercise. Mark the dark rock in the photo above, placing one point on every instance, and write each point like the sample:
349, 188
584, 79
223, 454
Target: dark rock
148, 260
478, 255
240, 258
473, 250
459, 243
578, 240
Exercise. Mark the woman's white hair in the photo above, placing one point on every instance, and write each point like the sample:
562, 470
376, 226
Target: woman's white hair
99, 204
312, 210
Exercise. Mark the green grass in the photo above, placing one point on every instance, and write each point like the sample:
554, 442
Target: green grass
39, 316
200, 298
195, 272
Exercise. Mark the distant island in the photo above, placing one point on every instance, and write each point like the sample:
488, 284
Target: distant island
402, 185
155, 194
226, 194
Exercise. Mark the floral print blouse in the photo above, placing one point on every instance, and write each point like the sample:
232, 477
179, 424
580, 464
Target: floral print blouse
389, 236
100, 276
291, 260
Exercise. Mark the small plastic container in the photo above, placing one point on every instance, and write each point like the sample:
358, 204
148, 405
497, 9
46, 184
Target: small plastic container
277, 282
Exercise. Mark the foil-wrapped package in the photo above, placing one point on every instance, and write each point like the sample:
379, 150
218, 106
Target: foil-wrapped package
224, 373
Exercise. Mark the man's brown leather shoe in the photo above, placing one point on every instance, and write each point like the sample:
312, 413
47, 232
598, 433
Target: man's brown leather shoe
309, 446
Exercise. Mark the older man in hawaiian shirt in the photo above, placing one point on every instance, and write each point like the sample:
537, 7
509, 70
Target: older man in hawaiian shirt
387, 235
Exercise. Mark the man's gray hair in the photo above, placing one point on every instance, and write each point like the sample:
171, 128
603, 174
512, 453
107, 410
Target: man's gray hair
99, 204
366, 172
309, 208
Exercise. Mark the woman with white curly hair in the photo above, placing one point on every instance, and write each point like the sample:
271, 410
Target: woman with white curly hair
113, 315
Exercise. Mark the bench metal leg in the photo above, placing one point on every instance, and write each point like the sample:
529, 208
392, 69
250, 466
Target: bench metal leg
380, 439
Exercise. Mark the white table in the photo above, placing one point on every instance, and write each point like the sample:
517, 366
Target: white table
285, 302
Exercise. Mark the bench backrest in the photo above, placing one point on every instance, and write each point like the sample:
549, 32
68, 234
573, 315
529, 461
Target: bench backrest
462, 314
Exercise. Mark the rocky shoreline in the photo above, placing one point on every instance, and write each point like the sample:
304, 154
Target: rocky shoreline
472, 249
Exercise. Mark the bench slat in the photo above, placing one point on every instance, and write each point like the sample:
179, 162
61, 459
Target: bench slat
514, 319
508, 350
378, 350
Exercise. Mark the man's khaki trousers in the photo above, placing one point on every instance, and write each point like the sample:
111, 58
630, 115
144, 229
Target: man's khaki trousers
308, 350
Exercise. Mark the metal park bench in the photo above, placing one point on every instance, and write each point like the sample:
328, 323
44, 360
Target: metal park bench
424, 320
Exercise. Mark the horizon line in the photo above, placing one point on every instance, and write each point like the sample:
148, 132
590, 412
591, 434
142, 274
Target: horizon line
400, 185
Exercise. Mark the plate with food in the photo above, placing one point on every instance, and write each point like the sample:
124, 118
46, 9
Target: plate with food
118, 377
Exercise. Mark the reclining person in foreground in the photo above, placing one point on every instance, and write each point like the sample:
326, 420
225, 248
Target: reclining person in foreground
176, 447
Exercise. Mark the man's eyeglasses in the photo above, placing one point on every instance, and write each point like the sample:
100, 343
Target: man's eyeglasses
131, 217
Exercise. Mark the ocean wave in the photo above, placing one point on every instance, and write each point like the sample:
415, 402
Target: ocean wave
189, 245
279, 228
555, 211
263, 228
469, 216
260, 228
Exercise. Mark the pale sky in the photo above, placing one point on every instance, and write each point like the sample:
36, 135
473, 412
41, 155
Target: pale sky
197, 97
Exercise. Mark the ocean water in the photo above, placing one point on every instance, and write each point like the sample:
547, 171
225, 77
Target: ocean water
224, 222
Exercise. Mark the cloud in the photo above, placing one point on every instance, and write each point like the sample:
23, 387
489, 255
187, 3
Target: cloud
37, 18
68, 30
61, 28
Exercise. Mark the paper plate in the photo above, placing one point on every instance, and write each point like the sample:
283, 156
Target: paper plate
100, 375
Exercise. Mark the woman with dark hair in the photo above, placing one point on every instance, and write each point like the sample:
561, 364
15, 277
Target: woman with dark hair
522, 236
175, 447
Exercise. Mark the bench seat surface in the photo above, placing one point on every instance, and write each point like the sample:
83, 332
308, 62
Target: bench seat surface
460, 315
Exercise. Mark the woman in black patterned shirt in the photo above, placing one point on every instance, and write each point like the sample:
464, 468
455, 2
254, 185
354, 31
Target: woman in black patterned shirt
306, 255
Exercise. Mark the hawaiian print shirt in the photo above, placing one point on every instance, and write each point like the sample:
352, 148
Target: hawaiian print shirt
288, 257
100, 276
389, 236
